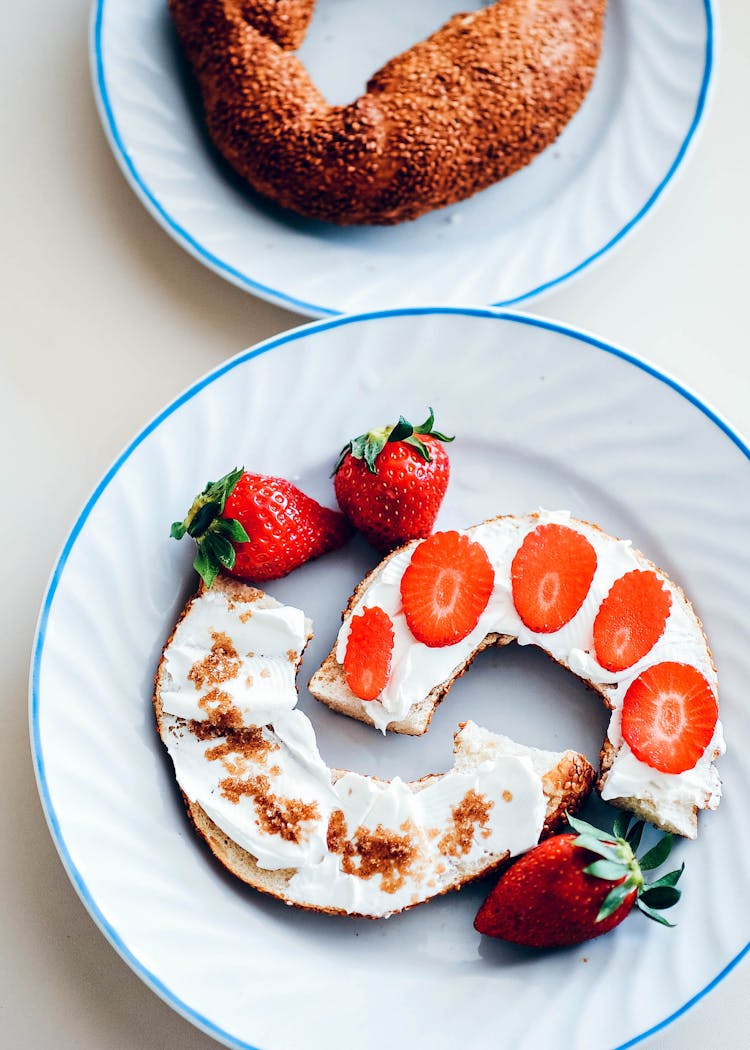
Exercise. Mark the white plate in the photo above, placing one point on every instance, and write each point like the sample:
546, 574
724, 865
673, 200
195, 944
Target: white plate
544, 416
513, 241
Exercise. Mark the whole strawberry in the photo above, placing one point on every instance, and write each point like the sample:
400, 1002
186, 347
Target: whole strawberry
571, 888
258, 528
390, 482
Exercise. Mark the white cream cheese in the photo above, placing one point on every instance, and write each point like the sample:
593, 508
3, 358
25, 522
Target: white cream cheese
258, 672
417, 669
355, 843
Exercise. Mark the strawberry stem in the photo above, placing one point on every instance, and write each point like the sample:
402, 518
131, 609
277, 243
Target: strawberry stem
214, 535
369, 446
619, 864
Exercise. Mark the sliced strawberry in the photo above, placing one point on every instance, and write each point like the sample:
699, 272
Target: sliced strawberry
445, 588
631, 620
550, 576
367, 662
668, 716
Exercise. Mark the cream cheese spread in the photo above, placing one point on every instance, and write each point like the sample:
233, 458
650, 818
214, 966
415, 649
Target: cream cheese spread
244, 752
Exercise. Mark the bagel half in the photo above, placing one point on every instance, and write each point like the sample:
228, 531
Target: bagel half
422, 677
476, 101
343, 843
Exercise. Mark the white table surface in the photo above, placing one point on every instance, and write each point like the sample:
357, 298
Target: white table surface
105, 319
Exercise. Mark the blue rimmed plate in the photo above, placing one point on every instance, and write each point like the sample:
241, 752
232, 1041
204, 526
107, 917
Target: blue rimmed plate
541, 226
545, 415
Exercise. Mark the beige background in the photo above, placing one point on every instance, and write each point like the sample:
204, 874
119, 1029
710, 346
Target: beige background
105, 319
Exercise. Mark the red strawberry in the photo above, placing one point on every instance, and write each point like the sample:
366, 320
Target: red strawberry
668, 716
550, 576
571, 888
631, 620
445, 588
367, 662
258, 528
390, 482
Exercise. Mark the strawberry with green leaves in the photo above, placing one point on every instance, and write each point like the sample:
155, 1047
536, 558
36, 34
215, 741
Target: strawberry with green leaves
390, 482
573, 887
258, 528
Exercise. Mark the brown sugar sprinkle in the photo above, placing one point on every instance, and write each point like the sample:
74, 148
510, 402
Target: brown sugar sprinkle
275, 815
265, 673
291, 655
369, 853
507, 796
472, 812
249, 681
336, 837
204, 730
239, 748
246, 615
221, 664
220, 710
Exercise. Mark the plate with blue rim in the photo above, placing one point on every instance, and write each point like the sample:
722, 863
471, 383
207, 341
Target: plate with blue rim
507, 245
544, 415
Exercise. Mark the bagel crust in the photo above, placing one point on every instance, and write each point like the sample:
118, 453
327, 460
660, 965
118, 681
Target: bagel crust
476, 101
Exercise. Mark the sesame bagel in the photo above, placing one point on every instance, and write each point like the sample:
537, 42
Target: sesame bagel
476, 101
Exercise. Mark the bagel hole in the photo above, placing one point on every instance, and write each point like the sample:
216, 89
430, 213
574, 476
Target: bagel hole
363, 37
515, 690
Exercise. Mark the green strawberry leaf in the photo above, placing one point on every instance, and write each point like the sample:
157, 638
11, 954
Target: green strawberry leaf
369, 446
207, 569
420, 446
619, 865
219, 549
202, 520
232, 529
652, 914
613, 900
427, 428
670, 879
402, 430
606, 869
213, 534
370, 453
658, 854
660, 897
621, 825
603, 849
588, 829
220, 491
634, 835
